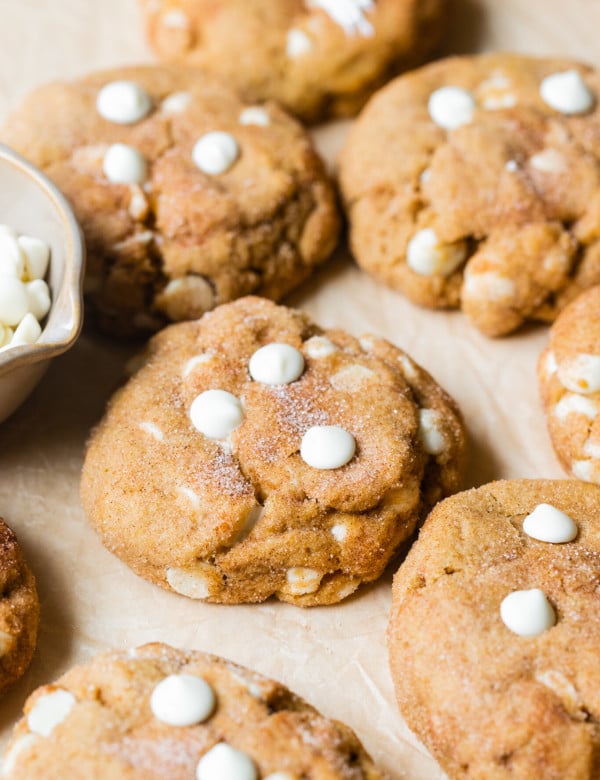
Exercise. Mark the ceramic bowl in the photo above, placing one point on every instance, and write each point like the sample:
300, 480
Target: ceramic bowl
32, 205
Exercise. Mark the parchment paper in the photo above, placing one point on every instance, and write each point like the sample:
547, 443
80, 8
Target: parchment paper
334, 656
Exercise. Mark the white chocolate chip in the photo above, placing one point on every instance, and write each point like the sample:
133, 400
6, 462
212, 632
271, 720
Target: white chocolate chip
427, 256
548, 524
587, 470
351, 378
191, 496
573, 403
37, 256
222, 762
216, 413
432, 438
512, 166
138, 203
176, 103
489, 285
327, 447
298, 43
27, 331
215, 152
451, 107
182, 700
495, 93
123, 164
276, 364
319, 347
280, 776
12, 262
193, 363
527, 612
123, 102
153, 430
339, 532
567, 92
13, 300
581, 373
548, 161
408, 367
11, 757
255, 115
176, 19
195, 582
185, 296
49, 711
348, 14
302, 580
549, 365
38, 298
591, 448
7, 642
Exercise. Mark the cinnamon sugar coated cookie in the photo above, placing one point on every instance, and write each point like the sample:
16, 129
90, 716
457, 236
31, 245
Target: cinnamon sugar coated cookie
187, 197
157, 712
19, 610
256, 454
474, 183
495, 628
569, 375
319, 58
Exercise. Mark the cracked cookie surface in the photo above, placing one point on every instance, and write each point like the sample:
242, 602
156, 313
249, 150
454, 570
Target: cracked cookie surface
124, 715
225, 487
475, 183
174, 227
319, 58
487, 701
569, 376
19, 610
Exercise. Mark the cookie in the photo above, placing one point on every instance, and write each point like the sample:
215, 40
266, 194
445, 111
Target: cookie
19, 610
157, 712
495, 628
255, 454
569, 376
187, 197
318, 58
474, 183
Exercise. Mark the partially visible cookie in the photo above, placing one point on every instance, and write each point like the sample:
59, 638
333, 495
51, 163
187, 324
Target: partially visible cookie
474, 183
569, 375
319, 58
187, 197
495, 629
255, 454
157, 712
19, 610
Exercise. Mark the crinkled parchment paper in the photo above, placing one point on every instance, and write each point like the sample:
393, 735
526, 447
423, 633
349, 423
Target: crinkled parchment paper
334, 656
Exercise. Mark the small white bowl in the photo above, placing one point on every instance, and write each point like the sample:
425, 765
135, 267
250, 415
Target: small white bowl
32, 205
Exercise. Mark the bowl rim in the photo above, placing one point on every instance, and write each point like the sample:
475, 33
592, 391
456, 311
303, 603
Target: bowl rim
70, 294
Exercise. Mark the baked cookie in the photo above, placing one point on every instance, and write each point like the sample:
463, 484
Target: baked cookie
569, 375
19, 610
495, 629
475, 183
187, 197
157, 712
319, 58
256, 454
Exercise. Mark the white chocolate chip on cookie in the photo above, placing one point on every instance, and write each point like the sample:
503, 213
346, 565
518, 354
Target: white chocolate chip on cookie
182, 700
222, 762
327, 447
527, 612
427, 256
276, 364
215, 152
49, 711
123, 102
548, 524
451, 107
216, 413
567, 92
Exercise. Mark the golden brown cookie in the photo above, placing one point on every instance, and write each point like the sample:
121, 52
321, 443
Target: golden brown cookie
160, 713
569, 375
319, 58
256, 454
187, 197
19, 610
475, 183
495, 629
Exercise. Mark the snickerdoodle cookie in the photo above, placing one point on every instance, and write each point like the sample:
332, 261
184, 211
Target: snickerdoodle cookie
319, 58
256, 454
495, 629
155, 713
569, 374
475, 183
186, 196
19, 610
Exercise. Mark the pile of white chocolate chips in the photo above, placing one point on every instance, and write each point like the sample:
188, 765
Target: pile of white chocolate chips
24, 295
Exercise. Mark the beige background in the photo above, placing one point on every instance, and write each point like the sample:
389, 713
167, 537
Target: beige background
334, 656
